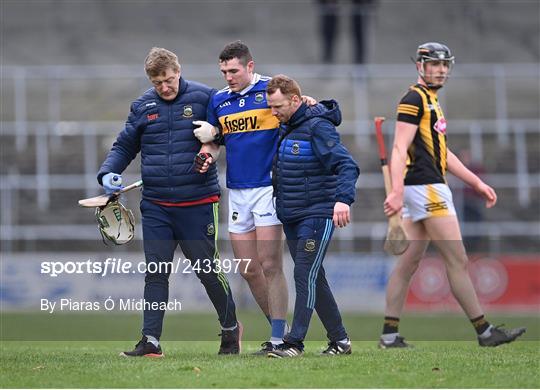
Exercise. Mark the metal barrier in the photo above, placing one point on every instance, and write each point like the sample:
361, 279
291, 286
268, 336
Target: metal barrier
511, 133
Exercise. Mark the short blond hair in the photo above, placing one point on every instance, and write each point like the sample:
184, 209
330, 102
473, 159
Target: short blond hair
285, 84
159, 60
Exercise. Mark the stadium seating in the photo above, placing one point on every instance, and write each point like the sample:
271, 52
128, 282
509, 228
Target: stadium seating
101, 51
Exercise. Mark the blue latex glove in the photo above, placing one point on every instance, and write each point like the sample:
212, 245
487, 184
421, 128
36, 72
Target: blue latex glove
112, 182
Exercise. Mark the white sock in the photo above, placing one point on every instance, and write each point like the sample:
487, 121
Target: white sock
345, 341
389, 338
153, 340
486, 333
233, 328
276, 340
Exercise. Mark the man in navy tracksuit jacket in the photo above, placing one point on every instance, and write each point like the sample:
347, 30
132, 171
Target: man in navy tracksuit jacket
179, 205
314, 184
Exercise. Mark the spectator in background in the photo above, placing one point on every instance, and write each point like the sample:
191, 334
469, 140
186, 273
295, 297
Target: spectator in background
329, 11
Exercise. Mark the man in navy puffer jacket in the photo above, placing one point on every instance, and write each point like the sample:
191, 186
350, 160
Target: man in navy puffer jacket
314, 183
179, 205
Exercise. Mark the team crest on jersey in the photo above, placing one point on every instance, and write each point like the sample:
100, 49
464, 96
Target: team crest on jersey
310, 245
440, 126
210, 230
295, 148
259, 97
188, 112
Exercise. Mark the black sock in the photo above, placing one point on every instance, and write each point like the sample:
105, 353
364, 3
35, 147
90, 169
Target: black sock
480, 324
391, 325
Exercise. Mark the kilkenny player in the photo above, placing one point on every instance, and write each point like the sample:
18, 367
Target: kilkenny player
425, 201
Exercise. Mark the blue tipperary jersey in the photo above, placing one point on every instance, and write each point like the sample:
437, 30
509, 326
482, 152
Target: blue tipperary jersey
250, 133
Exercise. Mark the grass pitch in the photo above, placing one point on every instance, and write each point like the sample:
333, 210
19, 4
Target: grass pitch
450, 363
195, 364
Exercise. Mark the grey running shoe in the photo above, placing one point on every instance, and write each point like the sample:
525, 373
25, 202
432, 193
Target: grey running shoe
399, 342
499, 336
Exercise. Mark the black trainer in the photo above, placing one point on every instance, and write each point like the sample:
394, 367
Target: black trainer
231, 340
144, 348
267, 346
399, 342
499, 336
286, 350
337, 348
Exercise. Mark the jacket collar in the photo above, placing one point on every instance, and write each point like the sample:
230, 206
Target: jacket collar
182, 88
300, 112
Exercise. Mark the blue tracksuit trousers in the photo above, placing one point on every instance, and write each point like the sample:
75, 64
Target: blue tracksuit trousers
308, 241
194, 228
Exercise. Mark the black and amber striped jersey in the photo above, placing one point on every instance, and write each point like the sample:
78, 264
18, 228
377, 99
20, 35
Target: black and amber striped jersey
426, 156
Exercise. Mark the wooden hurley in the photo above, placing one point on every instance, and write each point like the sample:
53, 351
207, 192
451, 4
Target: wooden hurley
396, 241
102, 200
